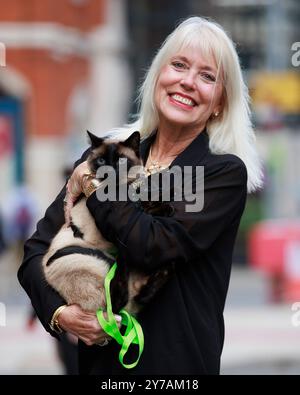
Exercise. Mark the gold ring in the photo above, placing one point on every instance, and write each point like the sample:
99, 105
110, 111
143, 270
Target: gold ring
104, 343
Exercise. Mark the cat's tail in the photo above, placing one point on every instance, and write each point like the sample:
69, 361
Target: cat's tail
78, 278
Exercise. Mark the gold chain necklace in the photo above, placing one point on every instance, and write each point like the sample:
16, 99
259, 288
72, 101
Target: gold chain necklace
155, 166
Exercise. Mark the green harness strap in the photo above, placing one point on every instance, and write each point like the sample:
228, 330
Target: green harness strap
133, 333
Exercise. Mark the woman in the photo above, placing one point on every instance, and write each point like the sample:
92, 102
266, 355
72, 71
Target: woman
194, 112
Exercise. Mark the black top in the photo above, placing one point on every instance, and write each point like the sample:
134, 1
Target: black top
183, 325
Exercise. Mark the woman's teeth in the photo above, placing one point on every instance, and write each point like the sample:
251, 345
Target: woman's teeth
183, 100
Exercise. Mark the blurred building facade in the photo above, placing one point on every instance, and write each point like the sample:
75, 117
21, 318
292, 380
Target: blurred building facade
61, 57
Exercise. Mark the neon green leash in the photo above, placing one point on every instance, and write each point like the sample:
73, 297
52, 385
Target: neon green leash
133, 333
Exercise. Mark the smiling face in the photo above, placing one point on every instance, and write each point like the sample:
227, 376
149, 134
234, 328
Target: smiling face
188, 90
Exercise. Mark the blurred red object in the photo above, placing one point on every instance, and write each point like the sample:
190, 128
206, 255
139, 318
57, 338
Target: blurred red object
268, 241
6, 144
274, 248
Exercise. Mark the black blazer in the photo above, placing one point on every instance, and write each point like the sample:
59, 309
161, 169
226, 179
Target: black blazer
183, 326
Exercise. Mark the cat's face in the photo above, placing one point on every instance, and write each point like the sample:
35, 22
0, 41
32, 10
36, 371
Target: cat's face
106, 152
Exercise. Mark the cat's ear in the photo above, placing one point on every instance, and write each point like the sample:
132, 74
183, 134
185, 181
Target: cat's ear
133, 142
95, 141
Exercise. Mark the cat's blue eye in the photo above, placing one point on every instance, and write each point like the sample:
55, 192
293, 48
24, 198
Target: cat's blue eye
100, 161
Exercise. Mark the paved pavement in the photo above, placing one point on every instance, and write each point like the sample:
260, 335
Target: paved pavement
26, 351
260, 337
23, 350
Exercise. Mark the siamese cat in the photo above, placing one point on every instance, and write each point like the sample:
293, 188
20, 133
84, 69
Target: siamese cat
78, 258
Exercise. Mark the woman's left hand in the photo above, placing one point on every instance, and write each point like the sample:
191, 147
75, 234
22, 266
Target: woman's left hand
74, 189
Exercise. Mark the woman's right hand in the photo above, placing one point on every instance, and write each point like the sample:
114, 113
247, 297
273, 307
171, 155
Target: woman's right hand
74, 188
83, 324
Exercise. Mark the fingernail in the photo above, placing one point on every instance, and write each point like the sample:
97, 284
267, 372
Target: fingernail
118, 318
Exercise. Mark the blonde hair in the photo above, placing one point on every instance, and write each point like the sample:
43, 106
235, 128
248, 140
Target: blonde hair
230, 132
